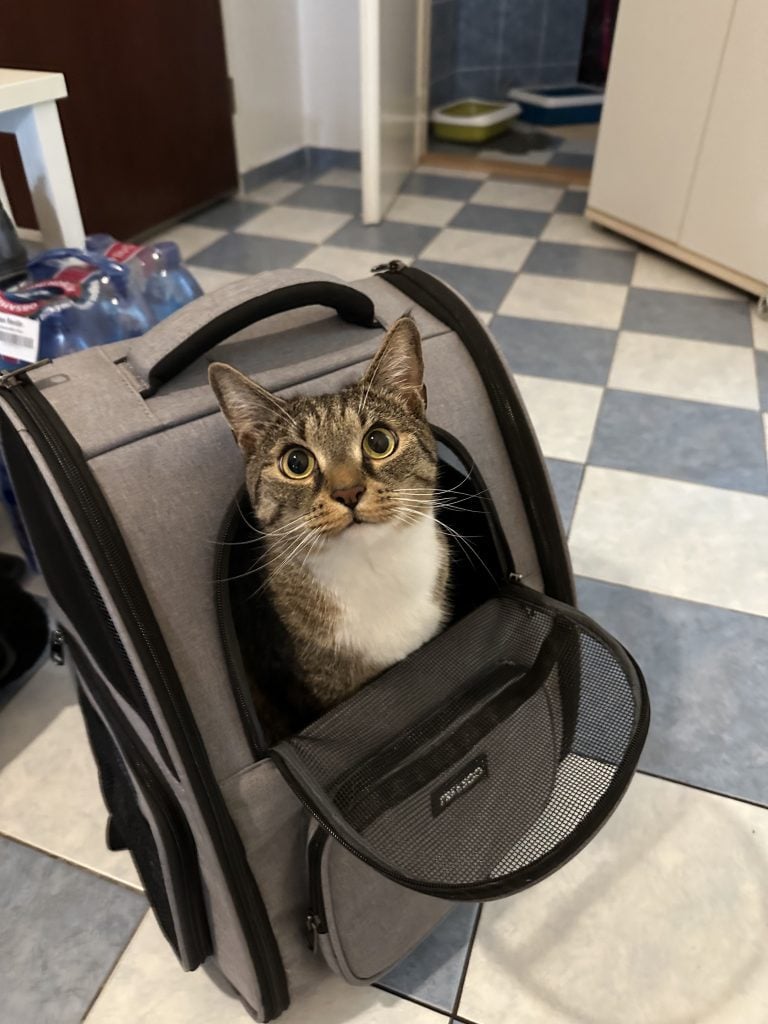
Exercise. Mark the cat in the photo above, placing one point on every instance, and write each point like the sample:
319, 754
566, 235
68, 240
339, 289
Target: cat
356, 565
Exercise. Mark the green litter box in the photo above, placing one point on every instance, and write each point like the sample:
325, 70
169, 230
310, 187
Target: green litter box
472, 120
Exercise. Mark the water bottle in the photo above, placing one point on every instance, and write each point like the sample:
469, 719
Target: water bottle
157, 269
65, 329
167, 284
104, 290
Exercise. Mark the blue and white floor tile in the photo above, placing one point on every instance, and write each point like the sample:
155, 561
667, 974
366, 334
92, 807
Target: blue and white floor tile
647, 383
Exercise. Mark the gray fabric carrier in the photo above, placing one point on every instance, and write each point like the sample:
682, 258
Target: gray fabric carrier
470, 770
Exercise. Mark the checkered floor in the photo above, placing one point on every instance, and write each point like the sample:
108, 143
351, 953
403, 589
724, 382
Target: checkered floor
645, 382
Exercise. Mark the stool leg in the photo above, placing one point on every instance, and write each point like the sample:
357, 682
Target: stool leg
46, 164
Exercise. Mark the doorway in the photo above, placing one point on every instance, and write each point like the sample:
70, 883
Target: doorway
538, 66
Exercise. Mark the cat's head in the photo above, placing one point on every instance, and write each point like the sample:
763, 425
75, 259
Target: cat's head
318, 465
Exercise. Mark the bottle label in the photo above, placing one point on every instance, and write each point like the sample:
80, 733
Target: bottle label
61, 284
122, 251
19, 337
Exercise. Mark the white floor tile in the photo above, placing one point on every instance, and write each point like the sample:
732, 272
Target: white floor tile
479, 249
667, 275
587, 303
149, 987
660, 920
485, 317
348, 264
49, 793
210, 279
190, 238
518, 195
759, 330
563, 414
701, 371
340, 176
295, 223
427, 210
274, 191
573, 229
672, 537
452, 172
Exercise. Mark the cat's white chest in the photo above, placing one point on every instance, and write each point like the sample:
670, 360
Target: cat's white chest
382, 579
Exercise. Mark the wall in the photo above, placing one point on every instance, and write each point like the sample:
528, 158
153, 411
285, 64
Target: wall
330, 72
484, 47
265, 59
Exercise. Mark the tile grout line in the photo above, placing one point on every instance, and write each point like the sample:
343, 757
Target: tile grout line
108, 976
702, 789
72, 863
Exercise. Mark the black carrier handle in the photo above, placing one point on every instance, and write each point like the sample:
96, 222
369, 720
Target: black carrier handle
177, 342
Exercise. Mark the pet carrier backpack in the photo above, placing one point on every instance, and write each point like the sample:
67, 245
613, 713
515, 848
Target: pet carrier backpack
471, 769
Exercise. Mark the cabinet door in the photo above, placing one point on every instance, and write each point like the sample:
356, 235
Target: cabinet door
727, 215
664, 64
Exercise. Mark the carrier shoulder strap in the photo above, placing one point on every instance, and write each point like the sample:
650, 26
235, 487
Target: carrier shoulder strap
178, 341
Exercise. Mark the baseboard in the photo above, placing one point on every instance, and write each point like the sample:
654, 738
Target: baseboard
305, 161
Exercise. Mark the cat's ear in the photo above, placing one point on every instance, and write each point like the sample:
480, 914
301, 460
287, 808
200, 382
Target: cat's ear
399, 366
248, 407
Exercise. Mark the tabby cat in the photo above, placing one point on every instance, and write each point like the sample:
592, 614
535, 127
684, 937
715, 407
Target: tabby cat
354, 563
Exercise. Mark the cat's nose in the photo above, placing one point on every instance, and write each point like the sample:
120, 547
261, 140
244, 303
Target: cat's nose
349, 496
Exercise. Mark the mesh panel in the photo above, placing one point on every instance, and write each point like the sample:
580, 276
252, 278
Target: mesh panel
486, 758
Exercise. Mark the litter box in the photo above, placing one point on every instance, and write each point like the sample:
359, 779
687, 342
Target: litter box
559, 104
472, 120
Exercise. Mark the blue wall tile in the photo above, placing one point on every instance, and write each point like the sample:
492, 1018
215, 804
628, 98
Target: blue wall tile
443, 59
477, 33
521, 32
522, 42
561, 40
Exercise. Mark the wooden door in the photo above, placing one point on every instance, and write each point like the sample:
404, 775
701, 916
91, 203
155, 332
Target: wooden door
394, 38
148, 119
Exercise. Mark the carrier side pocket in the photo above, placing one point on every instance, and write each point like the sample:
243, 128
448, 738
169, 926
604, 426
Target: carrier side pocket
145, 817
361, 922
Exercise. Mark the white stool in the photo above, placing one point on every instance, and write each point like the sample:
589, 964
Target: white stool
28, 110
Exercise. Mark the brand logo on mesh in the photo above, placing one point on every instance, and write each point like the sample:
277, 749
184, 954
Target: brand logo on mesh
461, 783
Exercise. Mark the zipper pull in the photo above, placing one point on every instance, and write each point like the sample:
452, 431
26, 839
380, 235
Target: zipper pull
12, 378
392, 267
312, 925
57, 647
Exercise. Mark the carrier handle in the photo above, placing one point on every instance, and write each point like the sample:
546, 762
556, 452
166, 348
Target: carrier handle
175, 343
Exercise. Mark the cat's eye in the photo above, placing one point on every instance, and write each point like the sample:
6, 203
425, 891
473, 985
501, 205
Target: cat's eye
297, 463
379, 443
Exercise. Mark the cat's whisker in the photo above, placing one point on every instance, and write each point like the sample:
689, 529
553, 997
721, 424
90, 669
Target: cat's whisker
461, 539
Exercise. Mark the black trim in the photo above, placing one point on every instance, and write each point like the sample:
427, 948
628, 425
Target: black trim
352, 306
83, 496
437, 298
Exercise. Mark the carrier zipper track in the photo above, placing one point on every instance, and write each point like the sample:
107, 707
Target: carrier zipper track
518, 437
65, 461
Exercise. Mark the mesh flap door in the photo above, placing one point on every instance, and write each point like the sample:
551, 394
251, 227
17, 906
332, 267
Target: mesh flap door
484, 760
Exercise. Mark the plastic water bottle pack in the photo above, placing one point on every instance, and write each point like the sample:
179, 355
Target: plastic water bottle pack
74, 299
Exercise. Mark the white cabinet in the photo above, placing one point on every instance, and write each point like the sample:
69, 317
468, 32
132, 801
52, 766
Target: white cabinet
682, 157
727, 214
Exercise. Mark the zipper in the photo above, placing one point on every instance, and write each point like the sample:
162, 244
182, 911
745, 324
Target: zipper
178, 842
316, 922
83, 496
518, 436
